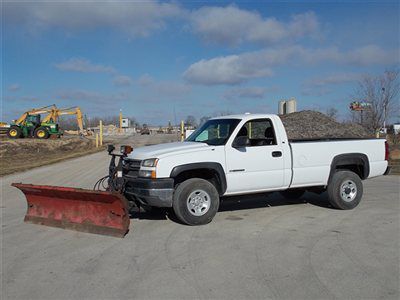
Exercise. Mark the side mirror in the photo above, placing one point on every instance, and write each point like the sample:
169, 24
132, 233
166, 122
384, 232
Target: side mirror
240, 142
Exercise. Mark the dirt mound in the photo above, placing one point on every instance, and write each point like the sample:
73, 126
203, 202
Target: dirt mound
28, 147
22, 154
308, 124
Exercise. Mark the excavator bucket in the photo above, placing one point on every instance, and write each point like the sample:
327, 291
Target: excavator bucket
97, 212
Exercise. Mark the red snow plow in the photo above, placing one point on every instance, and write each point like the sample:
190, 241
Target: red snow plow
94, 211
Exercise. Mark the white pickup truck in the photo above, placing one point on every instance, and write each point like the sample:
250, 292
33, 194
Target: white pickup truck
243, 154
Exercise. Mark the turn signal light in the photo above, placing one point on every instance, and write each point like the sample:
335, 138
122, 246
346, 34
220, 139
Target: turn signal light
126, 149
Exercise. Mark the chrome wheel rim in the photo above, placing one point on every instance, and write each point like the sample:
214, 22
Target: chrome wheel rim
198, 203
348, 191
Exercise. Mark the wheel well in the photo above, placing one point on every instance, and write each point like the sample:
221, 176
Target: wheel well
207, 174
356, 168
354, 162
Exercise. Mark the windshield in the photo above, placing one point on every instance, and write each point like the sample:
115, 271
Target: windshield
214, 132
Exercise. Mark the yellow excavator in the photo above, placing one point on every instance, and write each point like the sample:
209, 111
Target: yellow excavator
56, 113
30, 124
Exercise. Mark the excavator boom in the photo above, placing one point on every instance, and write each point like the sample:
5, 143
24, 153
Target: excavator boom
56, 113
35, 111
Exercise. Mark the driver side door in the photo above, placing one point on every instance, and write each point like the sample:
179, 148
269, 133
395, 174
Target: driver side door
258, 166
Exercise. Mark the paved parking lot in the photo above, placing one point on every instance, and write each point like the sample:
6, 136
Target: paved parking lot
258, 247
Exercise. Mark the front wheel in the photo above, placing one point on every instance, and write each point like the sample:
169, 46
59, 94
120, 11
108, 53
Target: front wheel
345, 190
196, 201
41, 133
14, 132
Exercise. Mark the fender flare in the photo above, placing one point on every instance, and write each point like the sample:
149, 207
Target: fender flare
350, 159
214, 166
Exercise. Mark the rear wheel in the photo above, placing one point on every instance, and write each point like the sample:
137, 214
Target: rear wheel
345, 190
14, 132
196, 201
293, 193
41, 133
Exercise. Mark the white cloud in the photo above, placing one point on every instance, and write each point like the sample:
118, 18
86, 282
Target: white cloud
317, 91
122, 81
337, 78
164, 87
84, 66
134, 18
232, 69
245, 92
145, 80
232, 25
14, 87
235, 69
92, 97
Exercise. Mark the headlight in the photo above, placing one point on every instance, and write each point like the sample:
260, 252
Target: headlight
150, 162
147, 173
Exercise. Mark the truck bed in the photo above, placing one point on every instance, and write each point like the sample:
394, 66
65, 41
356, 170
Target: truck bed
312, 158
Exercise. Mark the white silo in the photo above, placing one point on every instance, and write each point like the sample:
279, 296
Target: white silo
291, 106
281, 107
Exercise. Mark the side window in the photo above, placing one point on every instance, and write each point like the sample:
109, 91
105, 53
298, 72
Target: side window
259, 132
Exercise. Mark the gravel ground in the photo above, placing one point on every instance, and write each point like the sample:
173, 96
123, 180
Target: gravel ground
257, 247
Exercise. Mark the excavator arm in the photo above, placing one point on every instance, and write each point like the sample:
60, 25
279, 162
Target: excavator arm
56, 113
35, 111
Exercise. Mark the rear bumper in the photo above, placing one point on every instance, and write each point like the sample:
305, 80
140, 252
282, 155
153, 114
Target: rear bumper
387, 172
152, 192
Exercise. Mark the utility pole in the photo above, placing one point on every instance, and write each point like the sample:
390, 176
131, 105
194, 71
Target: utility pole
120, 121
385, 103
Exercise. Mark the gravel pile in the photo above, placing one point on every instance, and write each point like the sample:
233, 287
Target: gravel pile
308, 124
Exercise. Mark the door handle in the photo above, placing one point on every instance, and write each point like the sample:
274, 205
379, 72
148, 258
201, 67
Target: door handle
276, 154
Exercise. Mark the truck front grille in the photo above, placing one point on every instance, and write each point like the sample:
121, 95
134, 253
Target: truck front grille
130, 167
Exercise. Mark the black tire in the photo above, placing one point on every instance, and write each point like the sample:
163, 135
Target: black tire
41, 133
345, 190
205, 191
293, 194
14, 132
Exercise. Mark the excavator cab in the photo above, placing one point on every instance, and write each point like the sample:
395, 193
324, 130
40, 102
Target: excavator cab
33, 119
31, 123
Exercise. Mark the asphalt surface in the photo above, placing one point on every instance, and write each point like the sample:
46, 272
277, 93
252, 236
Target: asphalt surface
258, 247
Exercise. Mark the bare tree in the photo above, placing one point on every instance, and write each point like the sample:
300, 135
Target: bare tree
332, 113
204, 119
382, 93
191, 121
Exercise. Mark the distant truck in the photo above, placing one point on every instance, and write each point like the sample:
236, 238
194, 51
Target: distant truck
245, 154
145, 130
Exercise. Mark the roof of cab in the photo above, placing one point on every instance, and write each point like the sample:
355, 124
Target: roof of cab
246, 116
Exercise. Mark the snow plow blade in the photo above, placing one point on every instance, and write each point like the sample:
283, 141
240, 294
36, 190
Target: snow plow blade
90, 211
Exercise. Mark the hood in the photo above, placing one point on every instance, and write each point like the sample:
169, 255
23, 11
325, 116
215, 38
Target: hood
156, 151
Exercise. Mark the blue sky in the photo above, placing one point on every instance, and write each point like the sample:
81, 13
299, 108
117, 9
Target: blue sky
150, 58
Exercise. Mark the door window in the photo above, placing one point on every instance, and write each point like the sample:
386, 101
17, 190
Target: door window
259, 133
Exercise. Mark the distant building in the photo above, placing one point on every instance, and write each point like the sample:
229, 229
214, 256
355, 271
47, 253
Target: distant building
287, 106
125, 123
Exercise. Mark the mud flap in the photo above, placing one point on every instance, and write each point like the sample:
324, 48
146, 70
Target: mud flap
90, 211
